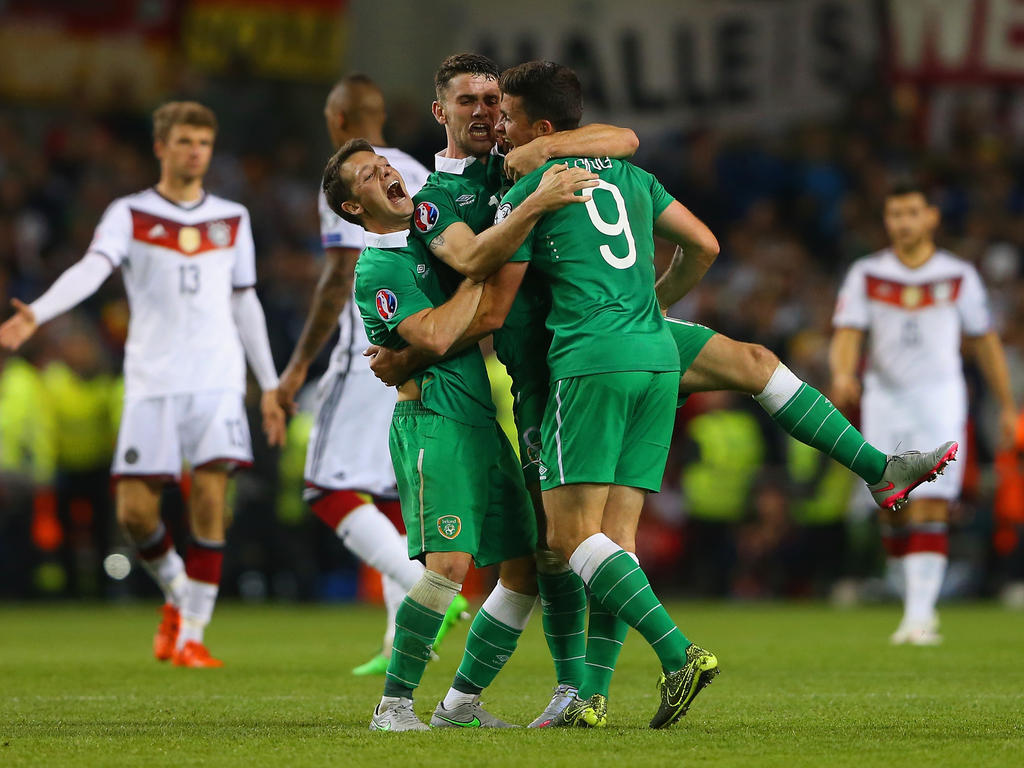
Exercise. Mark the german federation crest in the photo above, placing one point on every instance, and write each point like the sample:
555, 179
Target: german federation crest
387, 304
449, 526
425, 216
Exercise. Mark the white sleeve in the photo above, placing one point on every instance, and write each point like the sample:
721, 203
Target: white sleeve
972, 304
252, 330
243, 274
852, 305
78, 282
113, 234
335, 232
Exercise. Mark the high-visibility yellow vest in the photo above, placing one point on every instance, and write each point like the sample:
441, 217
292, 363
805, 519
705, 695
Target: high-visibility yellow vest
731, 447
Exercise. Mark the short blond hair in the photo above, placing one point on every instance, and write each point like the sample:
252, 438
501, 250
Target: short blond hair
181, 113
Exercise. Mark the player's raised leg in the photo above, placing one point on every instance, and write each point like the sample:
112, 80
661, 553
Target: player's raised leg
806, 414
138, 512
203, 562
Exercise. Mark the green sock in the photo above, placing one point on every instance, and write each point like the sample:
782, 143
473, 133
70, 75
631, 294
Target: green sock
812, 419
563, 601
415, 629
605, 635
488, 647
621, 586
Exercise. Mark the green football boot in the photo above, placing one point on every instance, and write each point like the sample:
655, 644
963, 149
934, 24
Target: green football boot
583, 713
680, 688
456, 612
378, 665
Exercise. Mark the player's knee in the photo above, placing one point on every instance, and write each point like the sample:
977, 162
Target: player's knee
137, 518
453, 569
761, 363
520, 575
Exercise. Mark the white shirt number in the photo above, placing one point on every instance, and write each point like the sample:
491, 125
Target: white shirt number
613, 228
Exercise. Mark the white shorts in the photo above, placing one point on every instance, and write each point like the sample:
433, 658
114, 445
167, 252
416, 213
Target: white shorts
920, 420
348, 446
159, 434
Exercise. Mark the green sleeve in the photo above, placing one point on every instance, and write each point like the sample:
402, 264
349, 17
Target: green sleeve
659, 196
521, 190
434, 211
387, 292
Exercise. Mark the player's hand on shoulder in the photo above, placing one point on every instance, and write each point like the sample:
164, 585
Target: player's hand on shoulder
845, 392
291, 382
525, 159
18, 328
274, 421
561, 185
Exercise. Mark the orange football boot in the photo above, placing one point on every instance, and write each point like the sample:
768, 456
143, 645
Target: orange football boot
194, 654
166, 636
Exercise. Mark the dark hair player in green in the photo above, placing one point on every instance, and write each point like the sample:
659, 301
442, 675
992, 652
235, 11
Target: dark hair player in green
461, 489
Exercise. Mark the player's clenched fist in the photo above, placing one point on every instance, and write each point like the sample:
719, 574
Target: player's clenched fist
845, 392
19, 328
561, 185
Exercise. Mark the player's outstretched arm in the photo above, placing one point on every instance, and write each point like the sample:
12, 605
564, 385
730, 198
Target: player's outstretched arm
697, 248
988, 350
436, 330
843, 357
77, 283
332, 292
595, 140
252, 330
478, 256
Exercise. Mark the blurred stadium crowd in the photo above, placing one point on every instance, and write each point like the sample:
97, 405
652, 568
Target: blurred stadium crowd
744, 511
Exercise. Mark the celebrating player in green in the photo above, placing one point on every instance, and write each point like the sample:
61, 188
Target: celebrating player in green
614, 379
457, 203
461, 489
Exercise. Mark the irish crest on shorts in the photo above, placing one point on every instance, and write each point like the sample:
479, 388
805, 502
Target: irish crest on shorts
449, 526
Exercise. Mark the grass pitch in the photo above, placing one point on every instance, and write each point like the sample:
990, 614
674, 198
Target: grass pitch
801, 686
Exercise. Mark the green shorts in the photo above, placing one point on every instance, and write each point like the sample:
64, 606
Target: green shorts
608, 428
529, 414
460, 486
690, 339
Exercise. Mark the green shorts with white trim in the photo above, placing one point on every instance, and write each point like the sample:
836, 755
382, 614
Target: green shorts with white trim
461, 487
608, 428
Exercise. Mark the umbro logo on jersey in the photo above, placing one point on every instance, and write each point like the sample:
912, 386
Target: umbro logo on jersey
422, 269
425, 216
157, 231
464, 199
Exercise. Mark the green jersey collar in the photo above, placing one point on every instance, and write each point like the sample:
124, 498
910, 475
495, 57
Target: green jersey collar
388, 240
457, 165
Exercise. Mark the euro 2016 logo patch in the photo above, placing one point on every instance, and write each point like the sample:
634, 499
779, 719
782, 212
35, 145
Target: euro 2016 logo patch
387, 304
502, 213
449, 526
425, 216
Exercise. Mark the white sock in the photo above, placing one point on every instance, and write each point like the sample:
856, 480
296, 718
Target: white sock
779, 390
393, 596
924, 572
434, 591
512, 609
196, 611
386, 702
168, 570
895, 576
371, 537
589, 555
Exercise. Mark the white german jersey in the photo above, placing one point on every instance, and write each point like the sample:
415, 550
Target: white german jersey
335, 232
915, 318
180, 265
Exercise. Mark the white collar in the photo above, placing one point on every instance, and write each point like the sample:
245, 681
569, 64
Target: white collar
388, 240
457, 165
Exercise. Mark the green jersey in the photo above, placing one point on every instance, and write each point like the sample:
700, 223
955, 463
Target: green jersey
469, 191
598, 260
396, 277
